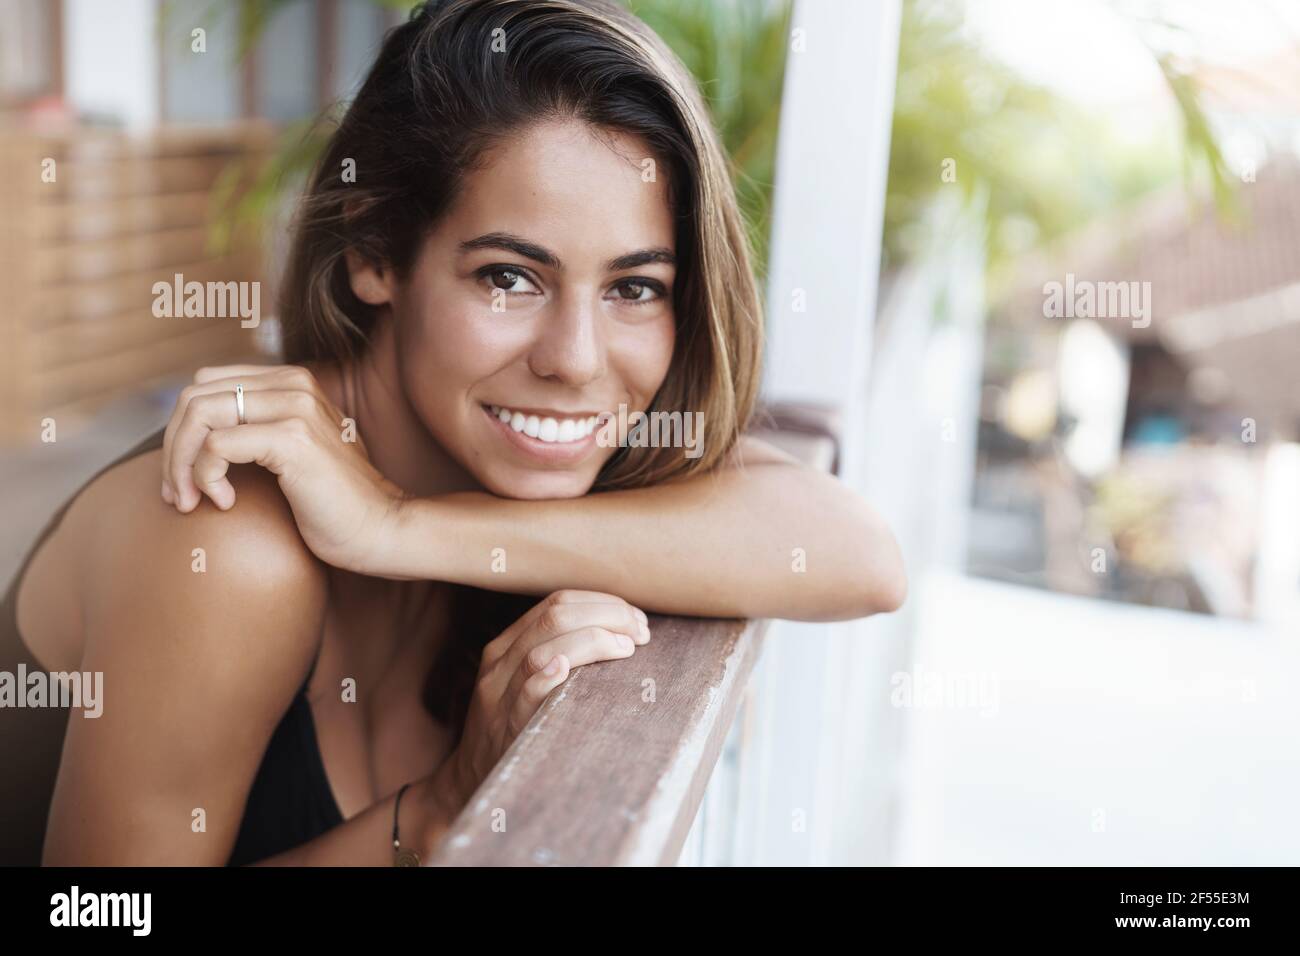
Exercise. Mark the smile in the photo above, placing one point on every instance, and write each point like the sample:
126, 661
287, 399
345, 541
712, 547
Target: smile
545, 428
556, 439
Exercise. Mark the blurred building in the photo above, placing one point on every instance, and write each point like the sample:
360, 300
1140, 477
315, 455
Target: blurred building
1196, 475
128, 133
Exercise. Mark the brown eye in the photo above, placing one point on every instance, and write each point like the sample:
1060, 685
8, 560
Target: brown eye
639, 291
505, 279
502, 278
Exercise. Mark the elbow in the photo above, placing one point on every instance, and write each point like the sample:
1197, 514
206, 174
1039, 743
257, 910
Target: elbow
865, 574
879, 584
889, 591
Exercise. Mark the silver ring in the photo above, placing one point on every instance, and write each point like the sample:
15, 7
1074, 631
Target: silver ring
239, 404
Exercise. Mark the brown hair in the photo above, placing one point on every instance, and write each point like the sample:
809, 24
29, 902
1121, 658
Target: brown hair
457, 78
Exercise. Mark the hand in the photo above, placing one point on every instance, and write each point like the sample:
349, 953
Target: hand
341, 503
529, 660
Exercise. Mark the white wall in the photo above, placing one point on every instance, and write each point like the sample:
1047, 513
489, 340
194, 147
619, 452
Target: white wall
1105, 734
361, 28
286, 63
110, 59
201, 87
921, 441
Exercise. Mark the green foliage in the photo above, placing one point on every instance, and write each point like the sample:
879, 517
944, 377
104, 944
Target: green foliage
734, 48
1202, 147
1041, 164
736, 51
298, 147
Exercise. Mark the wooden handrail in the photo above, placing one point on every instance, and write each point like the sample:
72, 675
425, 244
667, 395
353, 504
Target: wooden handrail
613, 766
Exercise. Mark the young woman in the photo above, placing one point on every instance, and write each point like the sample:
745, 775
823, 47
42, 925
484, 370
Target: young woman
316, 619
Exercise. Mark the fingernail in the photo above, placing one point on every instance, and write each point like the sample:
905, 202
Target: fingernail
625, 642
552, 668
167, 495
641, 614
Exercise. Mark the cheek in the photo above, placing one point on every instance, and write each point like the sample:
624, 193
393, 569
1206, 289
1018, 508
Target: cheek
645, 358
444, 348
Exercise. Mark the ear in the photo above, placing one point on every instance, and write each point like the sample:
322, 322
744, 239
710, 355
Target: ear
371, 283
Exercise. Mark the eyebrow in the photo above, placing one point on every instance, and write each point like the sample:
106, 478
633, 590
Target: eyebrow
530, 250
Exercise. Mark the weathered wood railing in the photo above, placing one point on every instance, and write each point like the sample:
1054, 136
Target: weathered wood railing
612, 768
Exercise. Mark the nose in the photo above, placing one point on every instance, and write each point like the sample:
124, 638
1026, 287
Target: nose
568, 348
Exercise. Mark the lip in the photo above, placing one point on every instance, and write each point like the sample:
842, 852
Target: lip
546, 412
555, 453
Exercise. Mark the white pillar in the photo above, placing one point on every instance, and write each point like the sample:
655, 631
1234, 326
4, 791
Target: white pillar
832, 163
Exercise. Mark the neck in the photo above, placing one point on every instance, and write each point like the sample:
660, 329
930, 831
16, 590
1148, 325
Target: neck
369, 391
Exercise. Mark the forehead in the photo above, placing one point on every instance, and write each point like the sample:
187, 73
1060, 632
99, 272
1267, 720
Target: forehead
586, 194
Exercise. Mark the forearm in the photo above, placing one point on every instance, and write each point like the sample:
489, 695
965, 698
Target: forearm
428, 808
768, 540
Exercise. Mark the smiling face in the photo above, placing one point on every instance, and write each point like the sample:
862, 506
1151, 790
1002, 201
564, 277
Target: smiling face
541, 300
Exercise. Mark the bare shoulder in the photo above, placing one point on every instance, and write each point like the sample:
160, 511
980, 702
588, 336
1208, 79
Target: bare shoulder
124, 505
202, 628
750, 450
228, 564
242, 580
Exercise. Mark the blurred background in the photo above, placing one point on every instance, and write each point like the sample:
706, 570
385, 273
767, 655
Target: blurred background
1042, 257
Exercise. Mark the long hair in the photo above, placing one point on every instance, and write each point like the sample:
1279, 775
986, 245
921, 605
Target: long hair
460, 76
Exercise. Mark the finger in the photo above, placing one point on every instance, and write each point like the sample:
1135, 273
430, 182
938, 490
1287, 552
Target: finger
178, 413
231, 446
242, 445
259, 377
252, 377
552, 618
499, 646
193, 417
214, 373
534, 692
220, 410
564, 618
585, 646
210, 474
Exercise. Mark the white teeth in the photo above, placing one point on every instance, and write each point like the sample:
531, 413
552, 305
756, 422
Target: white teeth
561, 431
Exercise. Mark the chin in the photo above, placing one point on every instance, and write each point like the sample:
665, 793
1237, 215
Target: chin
538, 486
532, 463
